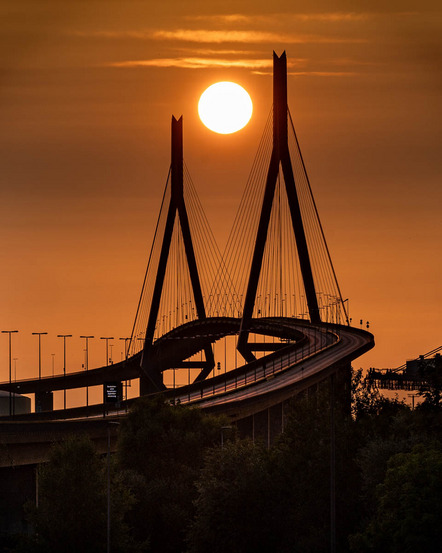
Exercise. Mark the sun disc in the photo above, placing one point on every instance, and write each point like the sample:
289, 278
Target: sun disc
225, 107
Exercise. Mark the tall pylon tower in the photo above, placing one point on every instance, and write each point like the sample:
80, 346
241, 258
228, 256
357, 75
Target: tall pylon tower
151, 379
280, 159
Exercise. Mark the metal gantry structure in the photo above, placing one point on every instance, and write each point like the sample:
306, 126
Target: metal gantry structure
415, 374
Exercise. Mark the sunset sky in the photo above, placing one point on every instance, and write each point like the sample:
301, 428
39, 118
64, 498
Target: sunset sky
88, 88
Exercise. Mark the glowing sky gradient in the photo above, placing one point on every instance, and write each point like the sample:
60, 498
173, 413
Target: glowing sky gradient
87, 92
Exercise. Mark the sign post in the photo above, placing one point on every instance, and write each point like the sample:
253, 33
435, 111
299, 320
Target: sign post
112, 394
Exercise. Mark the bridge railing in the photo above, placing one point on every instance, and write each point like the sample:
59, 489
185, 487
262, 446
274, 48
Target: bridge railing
316, 339
260, 370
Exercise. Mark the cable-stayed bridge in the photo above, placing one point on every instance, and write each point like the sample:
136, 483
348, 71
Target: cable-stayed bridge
270, 303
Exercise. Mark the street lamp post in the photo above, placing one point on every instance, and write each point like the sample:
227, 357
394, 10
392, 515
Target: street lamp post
108, 534
64, 336
126, 353
346, 311
10, 332
107, 338
15, 368
87, 365
39, 334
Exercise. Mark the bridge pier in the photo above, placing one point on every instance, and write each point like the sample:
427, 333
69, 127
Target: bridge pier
23, 447
267, 423
149, 386
44, 401
264, 426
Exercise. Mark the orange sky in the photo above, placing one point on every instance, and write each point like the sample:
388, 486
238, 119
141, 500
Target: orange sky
87, 92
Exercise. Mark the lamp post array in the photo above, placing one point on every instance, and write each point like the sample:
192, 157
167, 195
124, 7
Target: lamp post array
10, 332
64, 336
127, 340
126, 349
15, 368
39, 334
107, 338
87, 338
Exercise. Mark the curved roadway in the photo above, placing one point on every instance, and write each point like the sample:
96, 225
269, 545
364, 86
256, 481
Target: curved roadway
294, 366
311, 351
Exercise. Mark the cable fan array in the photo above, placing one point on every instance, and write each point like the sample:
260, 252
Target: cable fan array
238, 253
280, 290
330, 302
224, 279
177, 304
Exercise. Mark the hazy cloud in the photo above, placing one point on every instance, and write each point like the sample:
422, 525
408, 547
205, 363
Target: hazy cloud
241, 18
323, 73
195, 63
220, 36
141, 34
257, 66
312, 73
250, 37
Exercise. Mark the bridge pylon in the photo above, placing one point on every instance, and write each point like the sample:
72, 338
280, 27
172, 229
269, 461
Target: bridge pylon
280, 158
152, 379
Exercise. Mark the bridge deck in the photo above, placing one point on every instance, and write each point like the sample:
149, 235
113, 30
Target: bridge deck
237, 393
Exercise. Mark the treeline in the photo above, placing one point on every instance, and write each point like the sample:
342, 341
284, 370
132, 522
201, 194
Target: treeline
176, 489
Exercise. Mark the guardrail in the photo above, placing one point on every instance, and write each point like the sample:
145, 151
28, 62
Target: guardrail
260, 370
316, 339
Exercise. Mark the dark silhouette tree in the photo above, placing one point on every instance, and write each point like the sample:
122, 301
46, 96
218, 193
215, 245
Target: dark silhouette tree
161, 450
239, 507
408, 515
71, 515
430, 371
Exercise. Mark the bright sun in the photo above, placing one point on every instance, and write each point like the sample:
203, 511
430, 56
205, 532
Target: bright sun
225, 107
